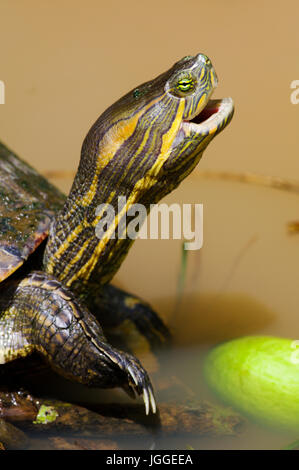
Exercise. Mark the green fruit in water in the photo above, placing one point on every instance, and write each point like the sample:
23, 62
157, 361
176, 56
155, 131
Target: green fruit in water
259, 376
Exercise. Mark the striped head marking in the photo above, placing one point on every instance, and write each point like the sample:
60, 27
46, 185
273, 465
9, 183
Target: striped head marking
140, 148
157, 132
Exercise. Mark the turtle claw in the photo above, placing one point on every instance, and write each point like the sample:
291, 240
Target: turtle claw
152, 400
139, 381
146, 401
132, 374
136, 381
149, 400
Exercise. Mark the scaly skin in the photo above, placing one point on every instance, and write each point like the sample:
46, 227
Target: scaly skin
40, 314
141, 148
136, 149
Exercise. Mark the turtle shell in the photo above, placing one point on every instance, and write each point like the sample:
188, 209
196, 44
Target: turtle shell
28, 203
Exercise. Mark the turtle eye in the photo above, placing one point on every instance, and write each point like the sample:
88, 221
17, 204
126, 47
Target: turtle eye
185, 84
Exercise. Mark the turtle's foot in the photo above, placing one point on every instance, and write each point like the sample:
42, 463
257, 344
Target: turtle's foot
114, 306
45, 317
149, 324
137, 381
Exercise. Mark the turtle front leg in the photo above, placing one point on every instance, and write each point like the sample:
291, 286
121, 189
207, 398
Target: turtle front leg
113, 306
39, 314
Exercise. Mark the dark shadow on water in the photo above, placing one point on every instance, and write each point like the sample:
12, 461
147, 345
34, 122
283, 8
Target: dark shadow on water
211, 318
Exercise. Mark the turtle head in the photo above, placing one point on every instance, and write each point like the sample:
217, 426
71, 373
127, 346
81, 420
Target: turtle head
150, 139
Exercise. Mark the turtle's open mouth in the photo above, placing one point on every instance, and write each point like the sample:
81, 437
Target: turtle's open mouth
216, 115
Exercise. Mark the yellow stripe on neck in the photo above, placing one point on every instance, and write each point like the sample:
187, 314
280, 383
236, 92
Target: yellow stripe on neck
147, 182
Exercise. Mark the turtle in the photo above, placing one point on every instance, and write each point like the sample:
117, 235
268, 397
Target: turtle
56, 296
